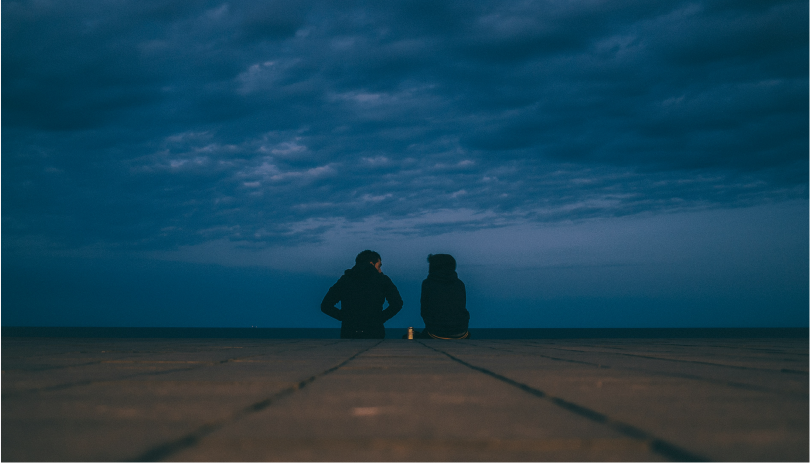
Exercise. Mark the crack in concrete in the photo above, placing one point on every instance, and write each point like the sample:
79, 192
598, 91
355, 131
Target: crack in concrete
196, 366
162, 451
655, 444
651, 357
734, 384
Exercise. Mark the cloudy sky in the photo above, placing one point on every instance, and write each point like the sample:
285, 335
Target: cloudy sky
589, 163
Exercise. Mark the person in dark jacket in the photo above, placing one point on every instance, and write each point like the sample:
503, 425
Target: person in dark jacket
361, 291
444, 300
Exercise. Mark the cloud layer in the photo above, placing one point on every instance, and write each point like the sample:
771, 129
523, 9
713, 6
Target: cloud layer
161, 124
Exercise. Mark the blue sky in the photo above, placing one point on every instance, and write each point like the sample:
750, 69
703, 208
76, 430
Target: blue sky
588, 163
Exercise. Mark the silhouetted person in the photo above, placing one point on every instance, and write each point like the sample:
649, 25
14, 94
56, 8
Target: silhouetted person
444, 300
361, 292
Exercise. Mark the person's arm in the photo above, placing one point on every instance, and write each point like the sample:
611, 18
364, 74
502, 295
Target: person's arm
330, 301
394, 300
464, 299
423, 301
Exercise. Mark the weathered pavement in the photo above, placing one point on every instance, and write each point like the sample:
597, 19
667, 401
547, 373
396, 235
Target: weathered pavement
212, 399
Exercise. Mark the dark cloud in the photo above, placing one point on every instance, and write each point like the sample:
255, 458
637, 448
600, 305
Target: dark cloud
157, 124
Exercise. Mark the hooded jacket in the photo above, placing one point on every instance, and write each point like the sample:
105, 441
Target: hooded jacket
444, 303
361, 291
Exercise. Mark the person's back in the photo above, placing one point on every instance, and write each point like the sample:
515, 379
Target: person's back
361, 291
444, 300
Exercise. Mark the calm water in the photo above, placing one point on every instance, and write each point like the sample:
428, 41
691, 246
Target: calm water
396, 333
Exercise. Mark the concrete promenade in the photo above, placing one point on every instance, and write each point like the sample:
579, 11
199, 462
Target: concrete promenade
493, 400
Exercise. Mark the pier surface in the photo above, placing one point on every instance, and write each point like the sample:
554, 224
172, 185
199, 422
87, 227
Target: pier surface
92, 399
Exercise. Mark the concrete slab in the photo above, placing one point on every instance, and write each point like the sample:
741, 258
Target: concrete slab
71, 399
719, 411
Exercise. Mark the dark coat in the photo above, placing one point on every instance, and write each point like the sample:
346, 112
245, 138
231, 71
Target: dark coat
361, 291
444, 303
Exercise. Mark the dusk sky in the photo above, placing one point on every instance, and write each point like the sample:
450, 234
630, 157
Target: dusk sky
588, 163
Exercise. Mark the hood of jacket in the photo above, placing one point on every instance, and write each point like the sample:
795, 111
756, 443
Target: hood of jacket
443, 275
360, 270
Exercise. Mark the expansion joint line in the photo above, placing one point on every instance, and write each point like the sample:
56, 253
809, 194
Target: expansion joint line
163, 451
665, 359
63, 386
734, 384
88, 382
655, 444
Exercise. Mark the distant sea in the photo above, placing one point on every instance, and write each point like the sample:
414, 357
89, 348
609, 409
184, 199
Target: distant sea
396, 333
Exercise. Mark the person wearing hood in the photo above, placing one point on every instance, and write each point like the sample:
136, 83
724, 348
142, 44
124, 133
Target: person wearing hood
444, 300
361, 291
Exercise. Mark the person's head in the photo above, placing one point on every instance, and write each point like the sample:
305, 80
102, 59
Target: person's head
370, 257
441, 262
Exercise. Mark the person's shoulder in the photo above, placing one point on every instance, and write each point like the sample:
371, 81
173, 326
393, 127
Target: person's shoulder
346, 275
385, 279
